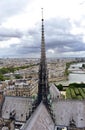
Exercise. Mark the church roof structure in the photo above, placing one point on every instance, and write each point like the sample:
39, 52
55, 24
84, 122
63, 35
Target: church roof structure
40, 119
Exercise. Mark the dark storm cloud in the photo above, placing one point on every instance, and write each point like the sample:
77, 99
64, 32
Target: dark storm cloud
66, 45
72, 47
63, 39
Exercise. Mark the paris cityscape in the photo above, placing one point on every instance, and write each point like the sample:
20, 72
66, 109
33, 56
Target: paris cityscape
42, 65
19, 88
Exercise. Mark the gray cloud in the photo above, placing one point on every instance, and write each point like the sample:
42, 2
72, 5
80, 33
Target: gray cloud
60, 39
11, 7
57, 37
8, 33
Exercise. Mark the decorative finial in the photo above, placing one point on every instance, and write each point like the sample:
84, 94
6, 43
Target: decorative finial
42, 12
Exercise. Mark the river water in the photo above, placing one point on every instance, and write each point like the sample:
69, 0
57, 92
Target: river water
77, 75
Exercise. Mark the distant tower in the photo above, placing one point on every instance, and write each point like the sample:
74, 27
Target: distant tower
43, 88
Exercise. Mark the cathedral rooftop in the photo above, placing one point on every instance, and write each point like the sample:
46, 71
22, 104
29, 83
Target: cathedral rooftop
20, 105
40, 120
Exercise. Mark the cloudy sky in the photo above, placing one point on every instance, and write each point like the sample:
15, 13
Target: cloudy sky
20, 28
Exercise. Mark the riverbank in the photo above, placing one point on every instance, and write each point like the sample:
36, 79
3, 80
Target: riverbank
72, 77
58, 79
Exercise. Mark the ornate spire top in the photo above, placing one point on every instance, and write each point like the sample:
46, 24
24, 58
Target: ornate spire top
43, 55
42, 13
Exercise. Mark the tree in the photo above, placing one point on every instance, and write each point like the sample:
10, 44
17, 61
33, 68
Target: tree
18, 76
60, 87
2, 77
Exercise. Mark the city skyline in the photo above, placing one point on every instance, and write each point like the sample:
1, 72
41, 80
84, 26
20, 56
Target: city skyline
20, 28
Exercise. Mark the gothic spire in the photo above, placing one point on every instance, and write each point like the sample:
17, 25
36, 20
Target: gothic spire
43, 73
43, 55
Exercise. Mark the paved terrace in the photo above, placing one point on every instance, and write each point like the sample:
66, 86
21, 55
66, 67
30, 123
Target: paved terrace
40, 120
20, 105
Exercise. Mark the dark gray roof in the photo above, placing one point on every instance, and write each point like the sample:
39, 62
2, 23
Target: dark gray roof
20, 105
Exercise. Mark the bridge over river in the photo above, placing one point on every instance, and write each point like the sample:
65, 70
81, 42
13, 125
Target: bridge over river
77, 72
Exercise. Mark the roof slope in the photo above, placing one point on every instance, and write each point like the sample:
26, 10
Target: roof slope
66, 110
40, 120
20, 105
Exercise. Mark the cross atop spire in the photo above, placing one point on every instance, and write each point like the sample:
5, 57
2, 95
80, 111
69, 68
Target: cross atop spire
42, 13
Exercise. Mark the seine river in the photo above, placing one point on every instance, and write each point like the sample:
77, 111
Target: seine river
77, 75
